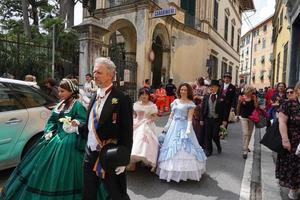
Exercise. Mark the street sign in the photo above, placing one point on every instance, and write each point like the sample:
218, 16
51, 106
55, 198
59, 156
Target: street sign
164, 12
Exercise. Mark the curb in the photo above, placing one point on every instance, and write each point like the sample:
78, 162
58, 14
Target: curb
270, 186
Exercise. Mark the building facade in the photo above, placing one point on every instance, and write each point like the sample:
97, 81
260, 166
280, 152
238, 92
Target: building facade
201, 39
262, 54
281, 37
246, 58
293, 15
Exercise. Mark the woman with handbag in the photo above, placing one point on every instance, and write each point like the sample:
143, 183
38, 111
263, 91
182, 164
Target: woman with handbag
52, 169
288, 164
246, 105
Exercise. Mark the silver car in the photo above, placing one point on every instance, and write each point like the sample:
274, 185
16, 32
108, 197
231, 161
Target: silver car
24, 110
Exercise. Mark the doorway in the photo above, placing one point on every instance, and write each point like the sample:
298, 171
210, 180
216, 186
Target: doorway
157, 47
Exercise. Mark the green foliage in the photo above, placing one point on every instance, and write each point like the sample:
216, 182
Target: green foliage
20, 55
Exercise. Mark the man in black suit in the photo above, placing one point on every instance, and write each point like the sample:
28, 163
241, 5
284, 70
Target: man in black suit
228, 95
212, 117
110, 120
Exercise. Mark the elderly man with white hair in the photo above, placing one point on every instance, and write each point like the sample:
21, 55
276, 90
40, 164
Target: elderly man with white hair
109, 132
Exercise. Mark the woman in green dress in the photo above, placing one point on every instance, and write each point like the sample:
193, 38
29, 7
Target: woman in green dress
52, 169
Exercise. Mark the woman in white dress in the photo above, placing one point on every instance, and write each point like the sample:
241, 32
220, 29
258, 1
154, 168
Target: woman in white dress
180, 156
145, 142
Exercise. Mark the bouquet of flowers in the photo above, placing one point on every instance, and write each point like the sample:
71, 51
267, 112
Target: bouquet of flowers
223, 133
67, 125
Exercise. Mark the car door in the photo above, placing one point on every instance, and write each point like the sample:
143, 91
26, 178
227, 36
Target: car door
13, 118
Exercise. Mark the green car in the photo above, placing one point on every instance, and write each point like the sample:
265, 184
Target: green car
24, 110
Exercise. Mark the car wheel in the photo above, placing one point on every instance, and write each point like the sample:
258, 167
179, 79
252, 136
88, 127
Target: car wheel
30, 143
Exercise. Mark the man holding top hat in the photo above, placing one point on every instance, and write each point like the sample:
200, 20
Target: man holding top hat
213, 116
109, 136
228, 95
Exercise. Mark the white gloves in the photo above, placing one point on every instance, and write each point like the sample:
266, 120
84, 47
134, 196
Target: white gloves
71, 127
298, 150
189, 127
48, 135
166, 128
120, 170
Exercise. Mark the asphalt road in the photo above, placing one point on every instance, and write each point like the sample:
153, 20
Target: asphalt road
221, 181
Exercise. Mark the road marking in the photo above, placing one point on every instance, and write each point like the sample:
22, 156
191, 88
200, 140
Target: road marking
246, 182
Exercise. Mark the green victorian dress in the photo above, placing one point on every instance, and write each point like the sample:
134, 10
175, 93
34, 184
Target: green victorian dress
52, 169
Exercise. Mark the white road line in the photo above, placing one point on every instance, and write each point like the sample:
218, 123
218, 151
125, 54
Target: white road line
246, 182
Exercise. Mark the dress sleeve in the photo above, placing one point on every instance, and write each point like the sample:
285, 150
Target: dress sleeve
153, 109
285, 108
51, 124
191, 105
173, 104
80, 113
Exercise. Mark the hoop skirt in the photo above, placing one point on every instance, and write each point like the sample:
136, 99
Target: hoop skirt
181, 157
52, 169
145, 142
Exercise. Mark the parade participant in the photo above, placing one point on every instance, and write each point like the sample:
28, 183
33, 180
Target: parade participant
246, 105
228, 95
277, 99
288, 164
290, 93
200, 88
52, 169
197, 118
147, 84
145, 143
160, 95
89, 86
171, 94
110, 122
213, 117
180, 156
52, 88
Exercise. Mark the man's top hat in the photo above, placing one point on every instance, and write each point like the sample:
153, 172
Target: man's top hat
227, 74
214, 82
113, 155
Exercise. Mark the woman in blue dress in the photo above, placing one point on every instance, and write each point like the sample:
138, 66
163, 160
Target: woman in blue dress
180, 156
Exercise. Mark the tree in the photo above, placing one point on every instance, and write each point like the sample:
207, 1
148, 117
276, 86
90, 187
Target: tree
26, 24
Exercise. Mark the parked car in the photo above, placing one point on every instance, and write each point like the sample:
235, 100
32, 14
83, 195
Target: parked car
24, 110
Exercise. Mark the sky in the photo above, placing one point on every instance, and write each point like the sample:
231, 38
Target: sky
264, 9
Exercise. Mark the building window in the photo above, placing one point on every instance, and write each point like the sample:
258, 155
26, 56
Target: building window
230, 69
262, 59
236, 74
281, 18
226, 29
255, 47
254, 61
261, 76
224, 68
284, 62
216, 14
264, 43
253, 77
214, 70
238, 42
278, 66
232, 35
265, 28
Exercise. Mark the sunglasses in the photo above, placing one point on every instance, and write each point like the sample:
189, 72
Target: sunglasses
290, 92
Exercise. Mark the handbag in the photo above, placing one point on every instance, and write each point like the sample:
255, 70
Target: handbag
272, 138
258, 116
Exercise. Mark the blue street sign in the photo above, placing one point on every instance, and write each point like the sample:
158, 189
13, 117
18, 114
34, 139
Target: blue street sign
165, 12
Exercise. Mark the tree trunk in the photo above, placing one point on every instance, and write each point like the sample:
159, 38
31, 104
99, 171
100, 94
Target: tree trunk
66, 12
26, 24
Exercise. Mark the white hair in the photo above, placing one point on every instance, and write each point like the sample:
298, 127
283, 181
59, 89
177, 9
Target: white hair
108, 63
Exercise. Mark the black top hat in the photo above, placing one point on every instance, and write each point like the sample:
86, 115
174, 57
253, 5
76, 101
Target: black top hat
214, 82
227, 74
113, 155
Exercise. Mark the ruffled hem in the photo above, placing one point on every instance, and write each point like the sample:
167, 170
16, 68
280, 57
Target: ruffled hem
136, 158
183, 142
183, 166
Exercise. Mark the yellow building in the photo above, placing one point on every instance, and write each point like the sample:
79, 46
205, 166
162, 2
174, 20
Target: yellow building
196, 38
262, 54
281, 37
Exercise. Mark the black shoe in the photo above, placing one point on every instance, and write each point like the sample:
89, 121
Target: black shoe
249, 150
220, 150
245, 156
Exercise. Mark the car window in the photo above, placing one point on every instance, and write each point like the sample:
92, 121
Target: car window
28, 96
8, 100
